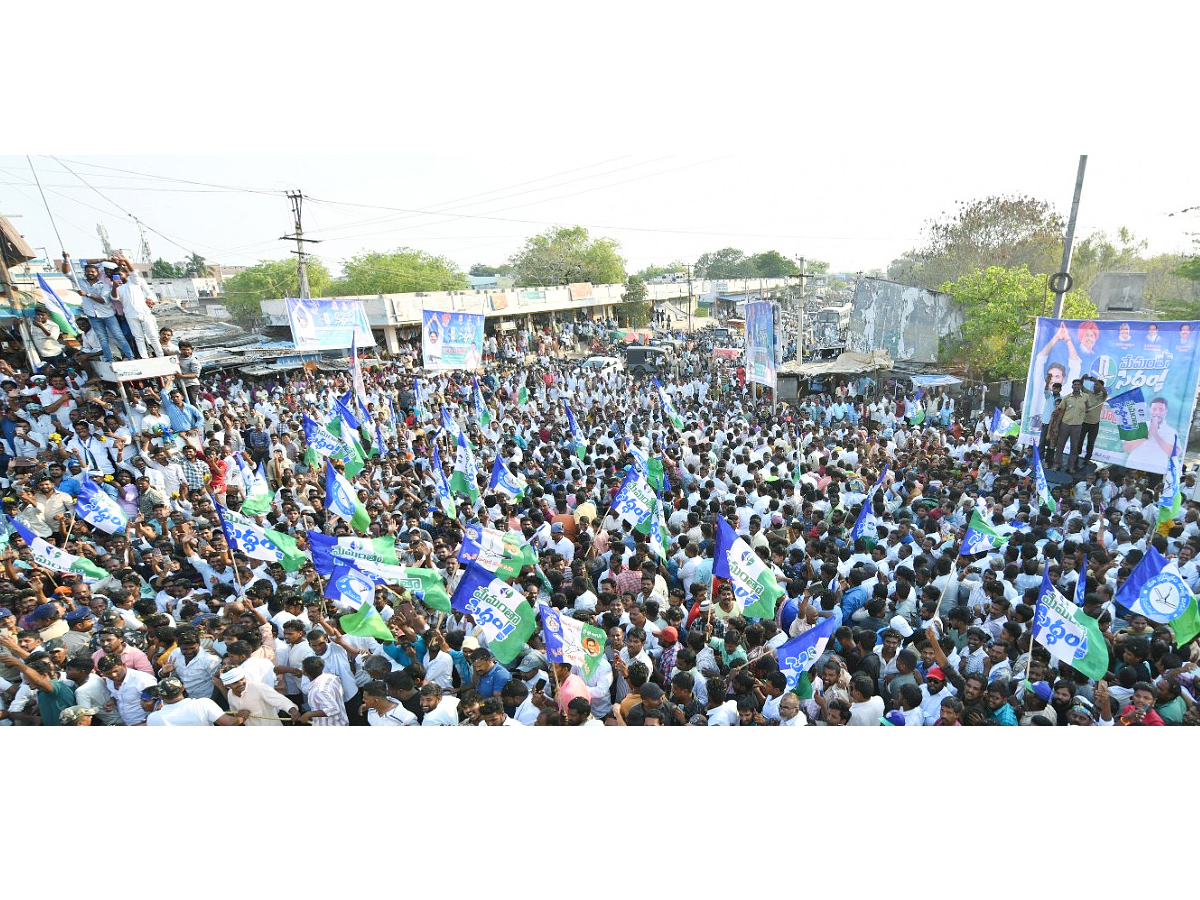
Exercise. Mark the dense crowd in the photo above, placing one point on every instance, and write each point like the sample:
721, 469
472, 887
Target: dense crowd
162, 623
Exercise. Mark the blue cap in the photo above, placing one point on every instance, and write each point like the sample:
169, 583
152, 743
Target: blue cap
5, 612
895, 717
45, 611
78, 615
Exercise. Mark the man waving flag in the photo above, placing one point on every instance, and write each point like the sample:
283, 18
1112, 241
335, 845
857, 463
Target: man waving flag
464, 479
754, 583
504, 481
798, 655
1039, 480
482, 413
98, 509
1071, 637
578, 441
441, 486
669, 409
343, 502
505, 616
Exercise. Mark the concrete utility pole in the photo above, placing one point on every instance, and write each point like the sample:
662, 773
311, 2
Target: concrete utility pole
688, 266
800, 318
297, 199
1061, 281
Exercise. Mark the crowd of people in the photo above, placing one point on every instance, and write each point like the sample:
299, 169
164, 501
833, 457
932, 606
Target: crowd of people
161, 622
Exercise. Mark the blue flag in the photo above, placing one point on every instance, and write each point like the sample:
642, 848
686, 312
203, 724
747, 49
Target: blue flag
62, 316
800, 653
1155, 589
504, 481
350, 587
449, 424
98, 509
1081, 583
578, 441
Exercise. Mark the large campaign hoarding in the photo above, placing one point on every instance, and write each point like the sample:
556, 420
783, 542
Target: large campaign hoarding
1159, 359
906, 321
319, 323
760, 343
451, 340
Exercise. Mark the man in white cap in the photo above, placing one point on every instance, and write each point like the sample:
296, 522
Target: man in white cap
260, 702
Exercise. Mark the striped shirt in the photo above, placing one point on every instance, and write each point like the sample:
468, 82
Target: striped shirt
325, 694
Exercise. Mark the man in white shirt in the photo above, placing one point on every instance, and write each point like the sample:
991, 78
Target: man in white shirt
382, 710
178, 710
125, 686
866, 707
440, 711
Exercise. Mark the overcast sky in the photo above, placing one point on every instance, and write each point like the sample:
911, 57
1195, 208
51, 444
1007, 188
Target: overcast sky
832, 135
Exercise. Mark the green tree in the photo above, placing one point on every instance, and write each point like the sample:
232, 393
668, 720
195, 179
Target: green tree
197, 267
270, 279
773, 264
651, 272
635, 309
723, 264
479, 270
816, 266
1005, 231
160, 268
566, 255
400, 272
999, 307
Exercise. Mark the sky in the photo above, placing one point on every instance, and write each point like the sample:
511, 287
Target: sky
856, 211
828, 133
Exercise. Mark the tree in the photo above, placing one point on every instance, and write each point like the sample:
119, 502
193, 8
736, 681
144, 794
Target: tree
816, 266
163, 269
402, 271
567, 255
773, 264
999, 307
724, 264
651, 272
269, 280
1005, 231
479, 270
635, 309
197, 267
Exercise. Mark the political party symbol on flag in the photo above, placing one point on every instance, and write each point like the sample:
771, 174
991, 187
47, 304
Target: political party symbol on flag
464, 479
799, 654
486, 546
919, 416
1071, 637
635, 499
981, 537
510, 567
1040, 482
866, 526
427, 585
376, 556
324, 442
349, 587
441, 486
669, 409
343, 502
244, 535
258, 494
1171, 501
59, 313
482, 413
504, 615
754, 584
449, 424
578, 441
658, 530
504, 481
98, 509
571, 641
1155, 589
1002, 425
50, 557
1131, 414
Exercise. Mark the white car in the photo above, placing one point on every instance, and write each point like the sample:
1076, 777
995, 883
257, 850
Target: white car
604, 364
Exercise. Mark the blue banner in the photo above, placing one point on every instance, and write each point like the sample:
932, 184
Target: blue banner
322, 324
1159, 358
451, 340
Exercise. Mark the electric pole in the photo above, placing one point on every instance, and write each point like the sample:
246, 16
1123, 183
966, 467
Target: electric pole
1061, 282
688, 266
297, 199
800, 318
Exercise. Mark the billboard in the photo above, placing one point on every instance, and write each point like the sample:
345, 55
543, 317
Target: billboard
760, 343
1159, 358
581, 291
1118, 292
906, 321
323, 324
451, 340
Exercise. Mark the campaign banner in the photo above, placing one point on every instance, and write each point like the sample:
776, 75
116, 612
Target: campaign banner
319, 323
1159, 358
760, 343
451, 340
